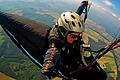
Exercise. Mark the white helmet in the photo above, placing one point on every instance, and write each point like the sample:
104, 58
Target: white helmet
70, 21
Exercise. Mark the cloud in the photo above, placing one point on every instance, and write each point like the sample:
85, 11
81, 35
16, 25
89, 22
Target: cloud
28, 0
108, 3
119, 19
18, 12
113, 14
106, 11
96, 5
116, 16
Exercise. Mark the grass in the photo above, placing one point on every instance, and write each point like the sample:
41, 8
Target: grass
1, 39
107, 62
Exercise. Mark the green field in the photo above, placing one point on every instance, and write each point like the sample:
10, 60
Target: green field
1, 39
14, 63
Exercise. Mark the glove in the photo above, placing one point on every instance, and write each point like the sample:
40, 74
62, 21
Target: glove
85, 3
54, 74
57, 42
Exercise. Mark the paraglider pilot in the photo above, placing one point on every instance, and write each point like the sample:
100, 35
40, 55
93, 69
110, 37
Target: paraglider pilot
65, 39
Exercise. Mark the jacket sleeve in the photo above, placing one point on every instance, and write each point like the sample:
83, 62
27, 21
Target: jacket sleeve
82, 7
52, 55
51, 58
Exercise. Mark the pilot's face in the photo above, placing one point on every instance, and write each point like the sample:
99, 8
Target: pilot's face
71, 37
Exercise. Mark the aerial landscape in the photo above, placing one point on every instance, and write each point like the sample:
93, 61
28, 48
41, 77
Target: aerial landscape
14, 65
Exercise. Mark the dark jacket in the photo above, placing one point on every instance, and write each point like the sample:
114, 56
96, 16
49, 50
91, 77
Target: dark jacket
61, 51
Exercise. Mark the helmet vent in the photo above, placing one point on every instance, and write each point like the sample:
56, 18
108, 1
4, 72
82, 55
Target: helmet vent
63, 30
73, 23
72, 16
66, 21
79, 24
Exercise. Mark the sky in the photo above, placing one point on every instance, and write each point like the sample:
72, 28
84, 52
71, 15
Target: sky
101, 10
112, 6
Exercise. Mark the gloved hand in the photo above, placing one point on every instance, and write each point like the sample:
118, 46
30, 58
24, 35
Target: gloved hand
53, 74
57, 42
85, 3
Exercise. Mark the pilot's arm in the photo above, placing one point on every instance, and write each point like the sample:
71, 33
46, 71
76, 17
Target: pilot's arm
52, 55
82, 7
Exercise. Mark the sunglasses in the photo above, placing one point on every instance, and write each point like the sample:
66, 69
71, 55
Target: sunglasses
72, 36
